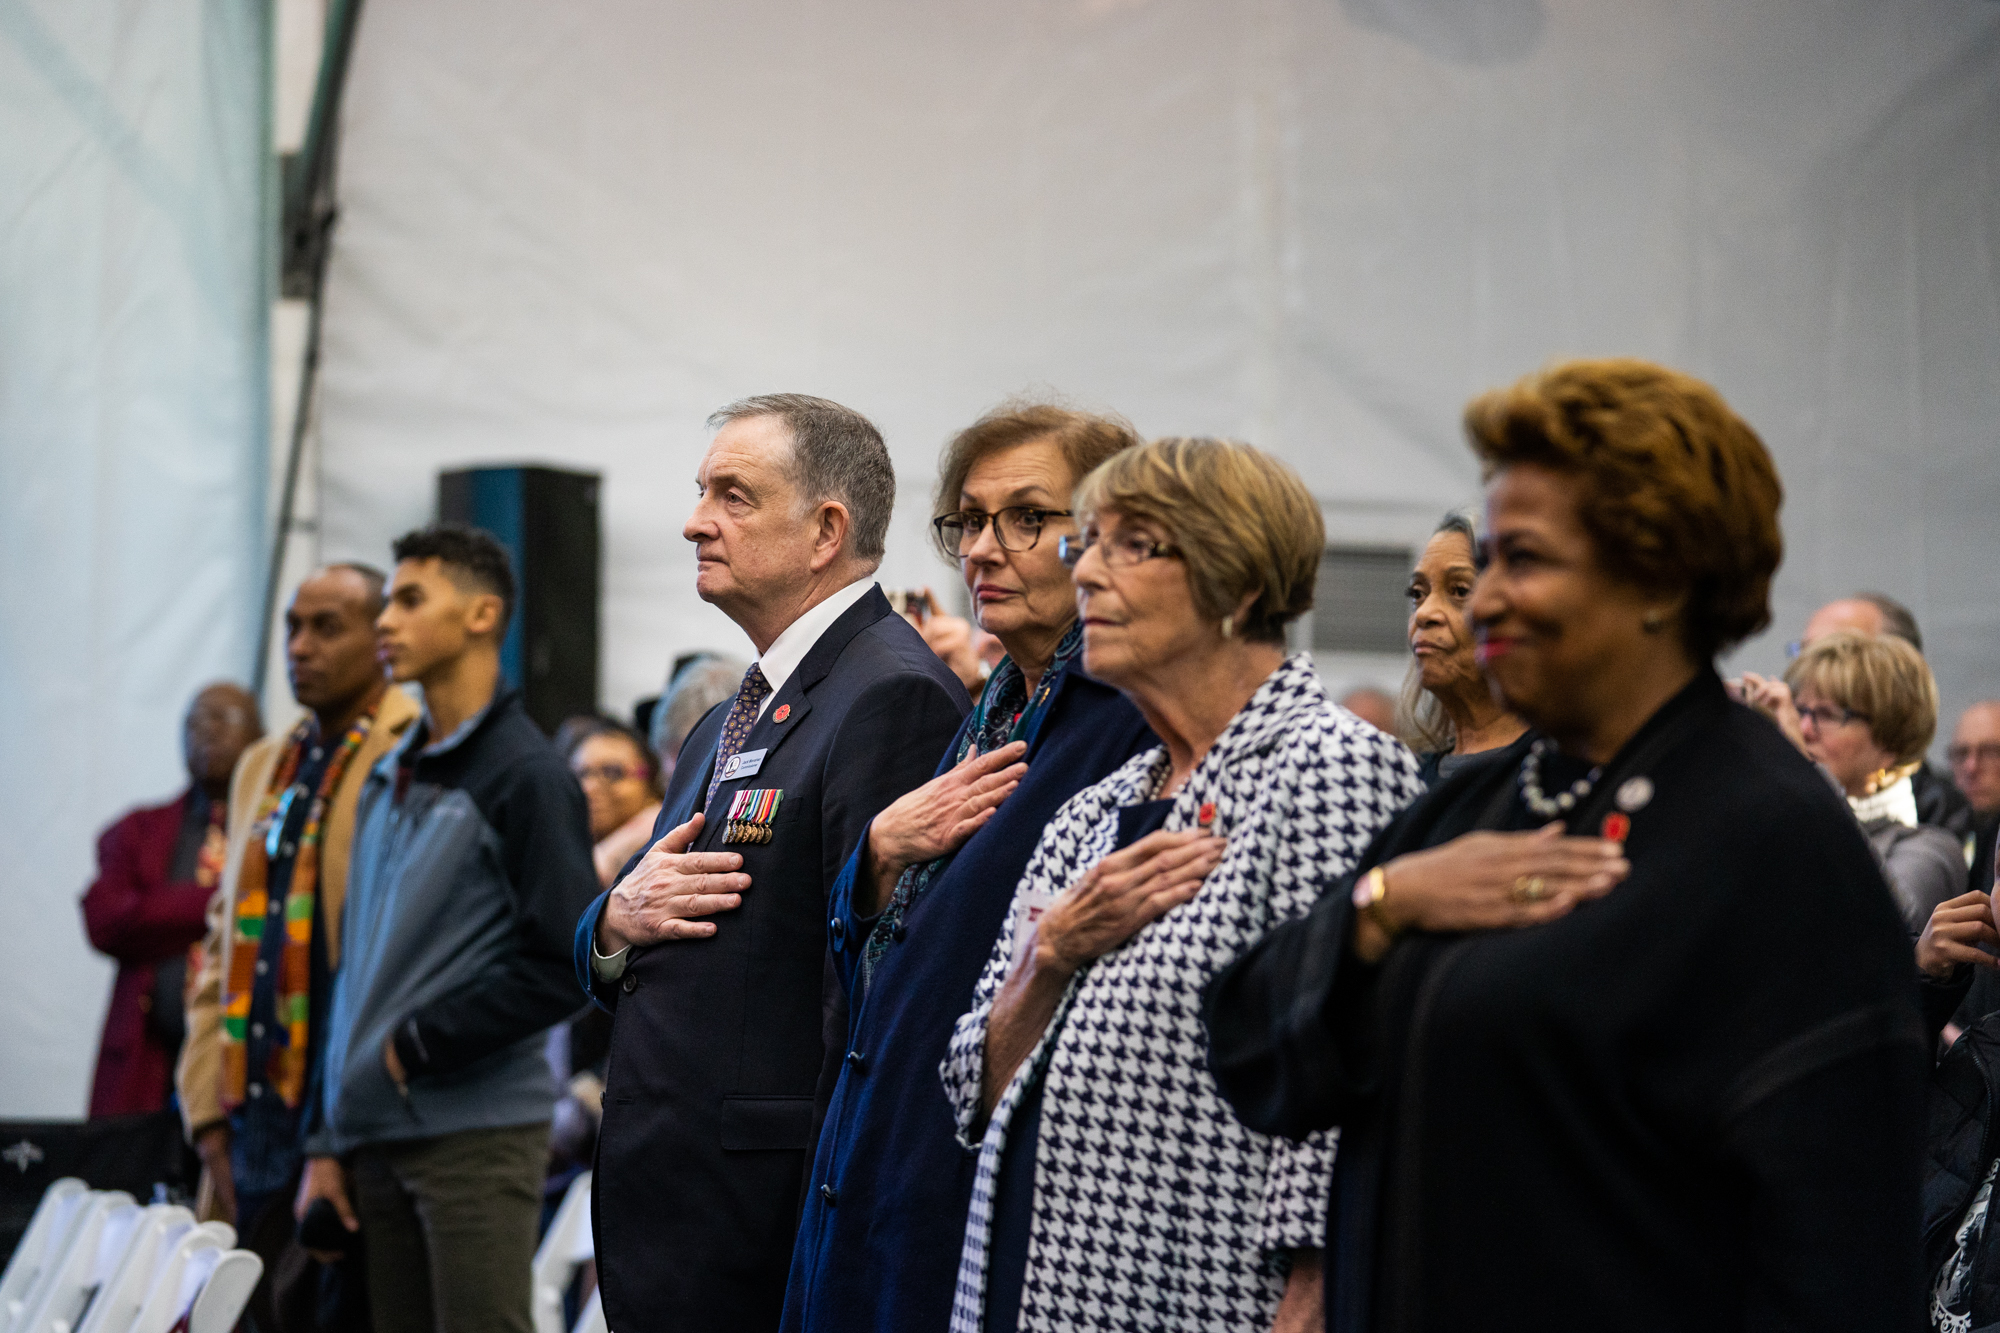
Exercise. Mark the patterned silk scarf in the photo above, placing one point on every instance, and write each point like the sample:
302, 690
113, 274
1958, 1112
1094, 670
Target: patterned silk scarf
287, 1071
1004, 713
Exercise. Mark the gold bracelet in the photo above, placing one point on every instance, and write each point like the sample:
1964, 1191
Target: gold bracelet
1368, 897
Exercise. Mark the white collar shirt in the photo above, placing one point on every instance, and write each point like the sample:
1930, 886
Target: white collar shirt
789, 649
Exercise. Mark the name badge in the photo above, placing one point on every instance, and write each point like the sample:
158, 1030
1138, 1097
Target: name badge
752, 814
1029, 909
744, 765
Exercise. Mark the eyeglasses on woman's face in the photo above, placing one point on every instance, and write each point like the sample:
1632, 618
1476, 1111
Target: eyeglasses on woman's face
1825, 717
1016, 528
1119, 550
610, 774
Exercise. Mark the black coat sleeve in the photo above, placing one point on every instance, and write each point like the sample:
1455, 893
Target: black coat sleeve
544, 828
1290, 1023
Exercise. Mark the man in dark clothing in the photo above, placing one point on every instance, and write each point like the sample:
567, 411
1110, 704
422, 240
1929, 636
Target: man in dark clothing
157, 868
728, 1033
471, 862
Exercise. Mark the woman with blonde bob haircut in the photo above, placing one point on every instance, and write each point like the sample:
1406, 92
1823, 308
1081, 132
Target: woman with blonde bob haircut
1864, 708
1078, 1074
1622, 1035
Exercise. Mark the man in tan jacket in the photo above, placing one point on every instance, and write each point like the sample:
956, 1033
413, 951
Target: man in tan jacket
274, 924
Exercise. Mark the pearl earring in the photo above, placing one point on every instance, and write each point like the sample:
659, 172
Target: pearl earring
1229, 627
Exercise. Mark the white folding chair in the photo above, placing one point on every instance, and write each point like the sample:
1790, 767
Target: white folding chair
592, 1318
63, 1288
180, 1279
159, 1230
94, 1253
48, 1232
225, 1293
557, 1257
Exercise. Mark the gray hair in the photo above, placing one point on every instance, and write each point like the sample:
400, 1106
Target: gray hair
1421, 721
1896, 618
693, 690
837, 454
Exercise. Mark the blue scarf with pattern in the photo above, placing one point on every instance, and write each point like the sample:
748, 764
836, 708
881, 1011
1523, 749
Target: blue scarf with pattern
1004, 713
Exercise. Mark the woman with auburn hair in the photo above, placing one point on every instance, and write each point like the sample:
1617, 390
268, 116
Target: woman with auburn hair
1447, 712
1677, 1089
1114, 1189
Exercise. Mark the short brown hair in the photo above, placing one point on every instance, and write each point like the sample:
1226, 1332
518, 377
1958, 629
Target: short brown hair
1679, 494
837, 454
1083, 439
1243, 522
1880, 676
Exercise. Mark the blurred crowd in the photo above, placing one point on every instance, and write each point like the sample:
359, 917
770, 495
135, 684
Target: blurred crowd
1082, 962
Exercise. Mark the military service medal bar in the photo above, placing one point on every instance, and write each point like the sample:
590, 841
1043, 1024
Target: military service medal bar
751, 814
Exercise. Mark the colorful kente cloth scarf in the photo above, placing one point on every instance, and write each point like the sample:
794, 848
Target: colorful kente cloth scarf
1004, 713
287, 1066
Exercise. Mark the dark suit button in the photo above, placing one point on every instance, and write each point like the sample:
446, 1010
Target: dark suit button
630, 984
829, 1193
838, 929
859, 1061
896, 935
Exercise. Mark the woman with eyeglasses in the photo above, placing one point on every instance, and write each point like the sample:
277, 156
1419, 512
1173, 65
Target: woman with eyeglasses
1447, 712
620, 783
1865, 709
1681, 1089
1115, 1189
916, 910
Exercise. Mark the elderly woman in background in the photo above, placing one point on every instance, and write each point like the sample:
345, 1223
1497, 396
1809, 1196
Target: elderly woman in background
1115, 1189
1692, 1101
915, 912
621, 784
1864, 708
1448, 714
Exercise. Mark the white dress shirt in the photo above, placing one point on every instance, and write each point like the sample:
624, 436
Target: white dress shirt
778, 663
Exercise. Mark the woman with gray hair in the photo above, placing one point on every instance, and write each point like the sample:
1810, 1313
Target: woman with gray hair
1115, 1189
1447, 712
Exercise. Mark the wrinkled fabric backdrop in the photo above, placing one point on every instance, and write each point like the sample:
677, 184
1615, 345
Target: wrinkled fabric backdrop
133, 300
570, 232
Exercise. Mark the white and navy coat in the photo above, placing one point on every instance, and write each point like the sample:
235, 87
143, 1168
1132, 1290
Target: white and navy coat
1154, 1207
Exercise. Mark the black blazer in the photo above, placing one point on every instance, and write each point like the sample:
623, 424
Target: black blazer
718, 1045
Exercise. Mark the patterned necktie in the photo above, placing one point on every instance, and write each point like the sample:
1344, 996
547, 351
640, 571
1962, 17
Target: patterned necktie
742, 716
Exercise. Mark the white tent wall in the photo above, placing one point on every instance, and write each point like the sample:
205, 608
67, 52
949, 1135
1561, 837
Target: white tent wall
132, 474
569, 232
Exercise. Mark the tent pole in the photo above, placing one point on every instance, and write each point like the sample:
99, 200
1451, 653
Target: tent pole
306, 241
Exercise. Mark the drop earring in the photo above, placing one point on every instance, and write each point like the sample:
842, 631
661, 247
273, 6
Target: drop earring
1229, 627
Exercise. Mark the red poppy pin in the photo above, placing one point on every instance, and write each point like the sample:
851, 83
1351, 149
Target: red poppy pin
784, 711
1206, 816
1616, 826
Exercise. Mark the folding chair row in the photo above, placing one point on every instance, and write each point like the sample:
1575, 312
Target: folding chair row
95, 1261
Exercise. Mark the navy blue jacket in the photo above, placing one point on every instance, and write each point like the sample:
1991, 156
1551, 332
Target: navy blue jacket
721, 1048
885, 1212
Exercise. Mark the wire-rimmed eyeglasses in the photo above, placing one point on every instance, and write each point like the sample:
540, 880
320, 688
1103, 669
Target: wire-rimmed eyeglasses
1016, 528
1119, 551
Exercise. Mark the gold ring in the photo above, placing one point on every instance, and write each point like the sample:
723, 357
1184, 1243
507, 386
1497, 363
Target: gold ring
1530, 889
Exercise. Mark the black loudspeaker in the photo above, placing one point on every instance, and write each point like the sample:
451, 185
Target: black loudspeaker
547, 519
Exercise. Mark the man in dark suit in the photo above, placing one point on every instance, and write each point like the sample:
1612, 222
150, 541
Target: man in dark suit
711, 951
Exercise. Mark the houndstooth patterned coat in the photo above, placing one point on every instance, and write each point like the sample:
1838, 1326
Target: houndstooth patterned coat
1154, 1207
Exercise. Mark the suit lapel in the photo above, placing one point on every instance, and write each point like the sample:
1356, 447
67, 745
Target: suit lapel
789, 707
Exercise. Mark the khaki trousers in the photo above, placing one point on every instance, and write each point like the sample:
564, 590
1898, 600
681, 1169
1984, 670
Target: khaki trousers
449, 1224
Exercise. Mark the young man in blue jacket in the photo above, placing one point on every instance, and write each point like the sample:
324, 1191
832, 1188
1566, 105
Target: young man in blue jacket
471, 862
